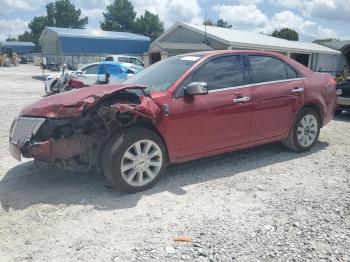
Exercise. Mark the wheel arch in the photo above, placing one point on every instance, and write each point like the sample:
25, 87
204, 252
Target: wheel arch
149, 124
317, 107
313, 105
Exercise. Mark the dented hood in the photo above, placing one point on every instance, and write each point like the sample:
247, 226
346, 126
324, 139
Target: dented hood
74, 102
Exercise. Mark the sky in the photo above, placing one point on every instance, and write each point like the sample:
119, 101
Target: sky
312, 19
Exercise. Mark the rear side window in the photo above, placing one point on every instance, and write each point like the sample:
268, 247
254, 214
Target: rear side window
221, 72
109, 58
92, 70
123, 59
266, 69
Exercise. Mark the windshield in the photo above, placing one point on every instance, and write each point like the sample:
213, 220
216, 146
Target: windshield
163, 74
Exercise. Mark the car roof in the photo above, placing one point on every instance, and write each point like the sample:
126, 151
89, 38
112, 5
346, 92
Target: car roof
122, 56
219, 52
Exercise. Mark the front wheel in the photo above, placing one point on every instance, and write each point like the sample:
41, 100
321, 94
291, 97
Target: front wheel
134, 160
305, 131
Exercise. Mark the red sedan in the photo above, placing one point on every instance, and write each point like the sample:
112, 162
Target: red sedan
182, 108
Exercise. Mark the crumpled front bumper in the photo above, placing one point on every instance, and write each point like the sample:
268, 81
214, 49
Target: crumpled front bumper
22, 142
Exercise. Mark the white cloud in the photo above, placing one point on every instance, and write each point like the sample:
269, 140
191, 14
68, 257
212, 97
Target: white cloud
302, 26
15, 4
249, 17
171, 11
91, 8
241, 15
12, 27
323, 9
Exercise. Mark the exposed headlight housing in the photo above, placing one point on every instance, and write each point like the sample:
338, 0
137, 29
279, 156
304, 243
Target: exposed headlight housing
339, 92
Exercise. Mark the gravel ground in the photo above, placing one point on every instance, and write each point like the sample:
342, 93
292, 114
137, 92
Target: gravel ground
261, 204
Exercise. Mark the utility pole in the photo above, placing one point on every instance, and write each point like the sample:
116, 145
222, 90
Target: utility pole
53, 14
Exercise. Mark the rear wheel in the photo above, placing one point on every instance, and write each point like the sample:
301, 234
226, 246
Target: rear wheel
305, 131
134, 160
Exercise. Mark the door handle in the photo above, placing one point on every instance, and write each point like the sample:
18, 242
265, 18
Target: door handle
241, 99
298, 90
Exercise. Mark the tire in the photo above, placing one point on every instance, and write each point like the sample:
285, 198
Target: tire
338, 111
299, 138
52, 85
121, 160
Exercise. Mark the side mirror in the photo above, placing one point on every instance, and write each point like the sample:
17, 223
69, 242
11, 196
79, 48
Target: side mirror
196, 88
107, 75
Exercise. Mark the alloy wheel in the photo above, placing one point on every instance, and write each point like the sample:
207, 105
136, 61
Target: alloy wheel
307, 130
141, 163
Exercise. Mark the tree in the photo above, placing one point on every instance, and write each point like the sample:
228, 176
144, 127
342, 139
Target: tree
149, 25
11, 39
222, 23
208, 22
26, 37
63, 13
320, 41
36, 27
119, 16
286, 33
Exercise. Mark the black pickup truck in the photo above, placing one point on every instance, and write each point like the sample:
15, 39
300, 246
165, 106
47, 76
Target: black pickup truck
343, 93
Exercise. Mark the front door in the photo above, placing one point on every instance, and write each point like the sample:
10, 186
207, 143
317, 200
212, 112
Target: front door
220, 119
277, 94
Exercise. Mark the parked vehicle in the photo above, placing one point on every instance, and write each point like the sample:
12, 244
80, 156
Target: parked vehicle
67, 82
95, 72
181, 108
125, 59
343, 92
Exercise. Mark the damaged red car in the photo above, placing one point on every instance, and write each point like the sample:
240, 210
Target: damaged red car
182, 108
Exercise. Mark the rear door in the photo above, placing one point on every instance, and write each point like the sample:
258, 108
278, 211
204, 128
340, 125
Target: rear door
220, 119
117, 73
278, 92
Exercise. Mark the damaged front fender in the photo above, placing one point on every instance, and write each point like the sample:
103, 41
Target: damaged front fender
74, 102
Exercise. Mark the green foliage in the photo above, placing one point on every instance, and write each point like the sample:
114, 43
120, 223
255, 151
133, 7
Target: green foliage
286, 33
26, 37
320, 41
36, 26
208, 22
149, 25
119, 16
222, 23
63, 13
11, 39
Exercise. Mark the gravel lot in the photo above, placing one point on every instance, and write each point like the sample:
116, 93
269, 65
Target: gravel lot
261, 204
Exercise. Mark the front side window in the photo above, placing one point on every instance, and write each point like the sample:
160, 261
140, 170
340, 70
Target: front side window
221, 72
136, 61
267, 69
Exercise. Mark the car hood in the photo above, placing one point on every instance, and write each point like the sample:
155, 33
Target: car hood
74, 102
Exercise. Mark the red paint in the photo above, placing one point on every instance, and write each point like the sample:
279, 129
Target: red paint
74, 102
62, 148
210, 124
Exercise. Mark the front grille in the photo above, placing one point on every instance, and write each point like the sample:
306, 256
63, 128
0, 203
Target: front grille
23, 128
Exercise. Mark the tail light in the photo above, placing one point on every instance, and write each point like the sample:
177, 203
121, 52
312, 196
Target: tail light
331, 81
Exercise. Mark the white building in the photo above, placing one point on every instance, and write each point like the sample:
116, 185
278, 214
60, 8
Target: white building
185, 38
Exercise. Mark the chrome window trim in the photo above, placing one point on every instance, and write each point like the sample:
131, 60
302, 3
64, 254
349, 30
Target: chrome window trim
255, 84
